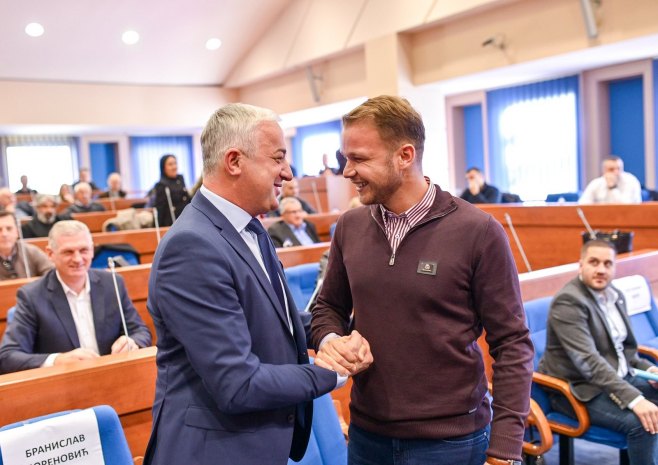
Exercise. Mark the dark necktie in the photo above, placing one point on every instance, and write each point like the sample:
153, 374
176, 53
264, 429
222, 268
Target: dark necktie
269, 257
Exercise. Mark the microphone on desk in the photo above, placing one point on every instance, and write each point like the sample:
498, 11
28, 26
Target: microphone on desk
156, 223
111, 198
110, 262
508, 219
21, 243
172, 210
316, 196
592, 233
316, 291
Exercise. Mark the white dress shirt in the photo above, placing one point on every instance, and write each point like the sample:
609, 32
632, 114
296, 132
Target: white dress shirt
627, 190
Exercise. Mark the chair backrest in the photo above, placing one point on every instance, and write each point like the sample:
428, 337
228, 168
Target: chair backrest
113, 441
507, 197
10, 313
301, 281
536, 312
327, 444
641, 307
563, 197
124, 254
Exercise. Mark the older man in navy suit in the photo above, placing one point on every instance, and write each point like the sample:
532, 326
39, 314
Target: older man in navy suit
72, 313
234, 382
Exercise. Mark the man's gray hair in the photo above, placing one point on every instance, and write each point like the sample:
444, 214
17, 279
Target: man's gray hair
40, 199
66, 228
288, 201
232, 126
81, 185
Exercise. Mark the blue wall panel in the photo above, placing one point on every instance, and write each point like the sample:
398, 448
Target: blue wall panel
627, 124
103, 162
473, 136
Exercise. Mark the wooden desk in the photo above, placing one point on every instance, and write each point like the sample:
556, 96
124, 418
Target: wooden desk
551, 235
95, 220
145, 241
126, 382
291, 256
326, 193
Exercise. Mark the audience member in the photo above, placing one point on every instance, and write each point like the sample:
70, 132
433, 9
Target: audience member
8, 204
340, 158
113, 188
291, 189
65, 194
45, 218
85, 176
479, 191
326, 169
72, 313
15, 255
293, 229
24, 189
234, 378
615, 186
173, 183
424, 273
590, 344
83, 201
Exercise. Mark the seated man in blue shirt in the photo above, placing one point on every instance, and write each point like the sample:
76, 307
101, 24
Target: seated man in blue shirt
292, 229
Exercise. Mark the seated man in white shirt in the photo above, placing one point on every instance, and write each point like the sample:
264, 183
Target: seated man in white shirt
590, 344
72, 313
293, 229
615, 186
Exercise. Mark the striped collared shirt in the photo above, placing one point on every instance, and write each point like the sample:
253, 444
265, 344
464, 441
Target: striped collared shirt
397, 226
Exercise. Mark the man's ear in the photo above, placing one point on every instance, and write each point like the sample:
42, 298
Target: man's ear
233, 160
406, 156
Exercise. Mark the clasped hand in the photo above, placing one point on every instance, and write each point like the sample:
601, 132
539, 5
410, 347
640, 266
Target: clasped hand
347, 355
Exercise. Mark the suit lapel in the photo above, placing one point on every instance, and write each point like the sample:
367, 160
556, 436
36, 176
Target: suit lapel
238, 244
62, 309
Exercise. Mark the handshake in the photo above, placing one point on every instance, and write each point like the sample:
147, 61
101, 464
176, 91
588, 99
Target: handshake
347, 355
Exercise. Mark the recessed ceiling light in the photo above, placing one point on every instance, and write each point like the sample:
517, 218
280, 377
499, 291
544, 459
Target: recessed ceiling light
34, 30
130, 37
213, 44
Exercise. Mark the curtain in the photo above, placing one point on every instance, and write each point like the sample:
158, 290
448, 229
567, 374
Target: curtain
145, 153
534, 138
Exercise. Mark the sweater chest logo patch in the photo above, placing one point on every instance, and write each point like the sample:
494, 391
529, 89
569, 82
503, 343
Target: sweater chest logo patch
425, 267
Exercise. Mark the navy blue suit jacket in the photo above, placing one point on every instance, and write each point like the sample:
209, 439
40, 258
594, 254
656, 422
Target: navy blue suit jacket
234, 385
43, 323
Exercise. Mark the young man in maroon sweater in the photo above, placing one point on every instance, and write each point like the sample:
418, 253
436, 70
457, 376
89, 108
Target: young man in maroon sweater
423, 273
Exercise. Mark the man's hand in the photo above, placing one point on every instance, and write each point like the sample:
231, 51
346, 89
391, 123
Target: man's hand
75, 355
124, 344
647, 412
347, 355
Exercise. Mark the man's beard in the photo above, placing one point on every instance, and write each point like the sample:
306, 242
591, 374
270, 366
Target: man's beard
47, 218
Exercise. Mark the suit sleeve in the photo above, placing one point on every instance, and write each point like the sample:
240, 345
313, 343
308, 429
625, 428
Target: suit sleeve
571, 317
16, 350
209, 321
137, 330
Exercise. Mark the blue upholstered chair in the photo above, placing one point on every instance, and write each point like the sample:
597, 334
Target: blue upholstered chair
327, 444
113, 441
301, 281
645, 319
565, 196
566, 427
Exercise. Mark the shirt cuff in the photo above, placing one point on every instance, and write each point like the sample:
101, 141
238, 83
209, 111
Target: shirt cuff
50, 360
327, 338
634, 402
340, 381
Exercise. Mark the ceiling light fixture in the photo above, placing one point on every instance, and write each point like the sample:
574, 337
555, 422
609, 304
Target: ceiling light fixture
213, 44
130, 37
34, 30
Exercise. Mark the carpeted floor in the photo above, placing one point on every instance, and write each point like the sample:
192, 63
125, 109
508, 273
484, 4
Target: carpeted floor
587, 453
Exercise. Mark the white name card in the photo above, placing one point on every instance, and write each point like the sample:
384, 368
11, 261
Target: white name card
636, 291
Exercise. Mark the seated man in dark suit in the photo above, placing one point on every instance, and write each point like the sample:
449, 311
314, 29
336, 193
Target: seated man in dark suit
590, 344
15, 256
72, 313
293, 229
83, 201
479, 191
85, 176
291, 189
45, 218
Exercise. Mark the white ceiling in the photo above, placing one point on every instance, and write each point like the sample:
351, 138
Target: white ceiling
82, 40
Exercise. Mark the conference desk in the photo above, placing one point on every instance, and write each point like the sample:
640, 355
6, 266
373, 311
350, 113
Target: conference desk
551, 235
126, 382
96, 220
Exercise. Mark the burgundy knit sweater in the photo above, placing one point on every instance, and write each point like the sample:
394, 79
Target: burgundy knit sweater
452, 276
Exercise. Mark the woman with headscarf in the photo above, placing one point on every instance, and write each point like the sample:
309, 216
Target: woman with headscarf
172, 182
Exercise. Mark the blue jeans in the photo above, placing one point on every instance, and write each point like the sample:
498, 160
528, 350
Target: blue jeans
366, 448
642, 446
